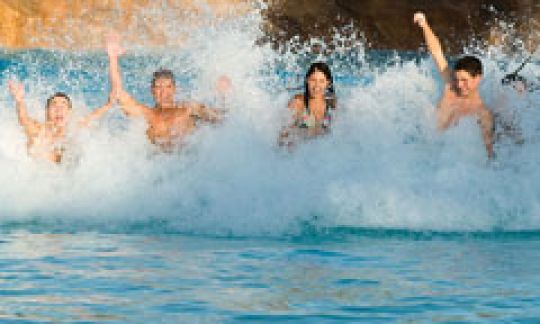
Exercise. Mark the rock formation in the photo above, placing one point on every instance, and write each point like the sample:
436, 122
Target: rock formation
386, 24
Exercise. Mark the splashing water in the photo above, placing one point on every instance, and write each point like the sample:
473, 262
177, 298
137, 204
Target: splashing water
384, 166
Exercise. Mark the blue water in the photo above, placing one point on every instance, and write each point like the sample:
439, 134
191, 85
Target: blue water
92, 277
386, 220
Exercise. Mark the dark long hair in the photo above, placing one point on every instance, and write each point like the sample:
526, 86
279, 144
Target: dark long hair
330, 95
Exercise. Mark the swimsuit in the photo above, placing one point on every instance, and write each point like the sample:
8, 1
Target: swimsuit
308, 121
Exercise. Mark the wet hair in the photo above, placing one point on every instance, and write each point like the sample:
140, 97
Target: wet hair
162, 74
330, 95
58, 95
469, 64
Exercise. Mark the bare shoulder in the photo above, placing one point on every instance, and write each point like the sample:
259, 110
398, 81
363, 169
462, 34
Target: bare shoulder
449, 90
297, 102
298, 97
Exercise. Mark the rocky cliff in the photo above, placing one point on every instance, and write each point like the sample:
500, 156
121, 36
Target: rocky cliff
80, 24
387, 24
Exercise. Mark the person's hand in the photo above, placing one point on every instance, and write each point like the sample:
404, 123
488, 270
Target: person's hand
113, 97
223, 85
17, 90
420, 19
113, 45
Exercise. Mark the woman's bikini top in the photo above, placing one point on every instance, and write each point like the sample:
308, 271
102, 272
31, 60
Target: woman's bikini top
308, 120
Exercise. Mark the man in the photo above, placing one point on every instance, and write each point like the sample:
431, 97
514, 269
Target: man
460, 97
48, 140
168, 121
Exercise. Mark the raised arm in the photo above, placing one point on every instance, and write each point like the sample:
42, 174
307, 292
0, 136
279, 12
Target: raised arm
17, 91
129, 105
98, 112
434, 46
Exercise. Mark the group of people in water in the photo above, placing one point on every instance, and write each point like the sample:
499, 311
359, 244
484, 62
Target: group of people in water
169, 121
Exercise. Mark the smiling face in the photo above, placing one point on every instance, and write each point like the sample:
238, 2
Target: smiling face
163, 90
317, 83
465, 83
58, 110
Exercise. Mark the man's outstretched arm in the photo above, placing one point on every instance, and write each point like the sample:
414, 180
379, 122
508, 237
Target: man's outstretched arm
97, 113
17, 91
129, 105
434, 46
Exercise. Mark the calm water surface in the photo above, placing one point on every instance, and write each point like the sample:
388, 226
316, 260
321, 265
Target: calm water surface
90, 277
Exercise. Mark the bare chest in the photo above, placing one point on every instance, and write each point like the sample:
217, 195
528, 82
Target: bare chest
47, 143
455, 107
169, 124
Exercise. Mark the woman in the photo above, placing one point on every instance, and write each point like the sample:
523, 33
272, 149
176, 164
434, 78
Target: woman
48, 140
313, 110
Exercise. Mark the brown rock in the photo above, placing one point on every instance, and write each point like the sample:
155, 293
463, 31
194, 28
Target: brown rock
387, 24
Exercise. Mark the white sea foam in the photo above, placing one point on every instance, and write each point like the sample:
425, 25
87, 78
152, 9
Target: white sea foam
384, 165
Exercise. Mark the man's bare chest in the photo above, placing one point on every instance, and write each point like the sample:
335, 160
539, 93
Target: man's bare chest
171, 120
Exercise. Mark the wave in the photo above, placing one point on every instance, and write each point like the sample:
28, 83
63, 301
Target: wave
383, 168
